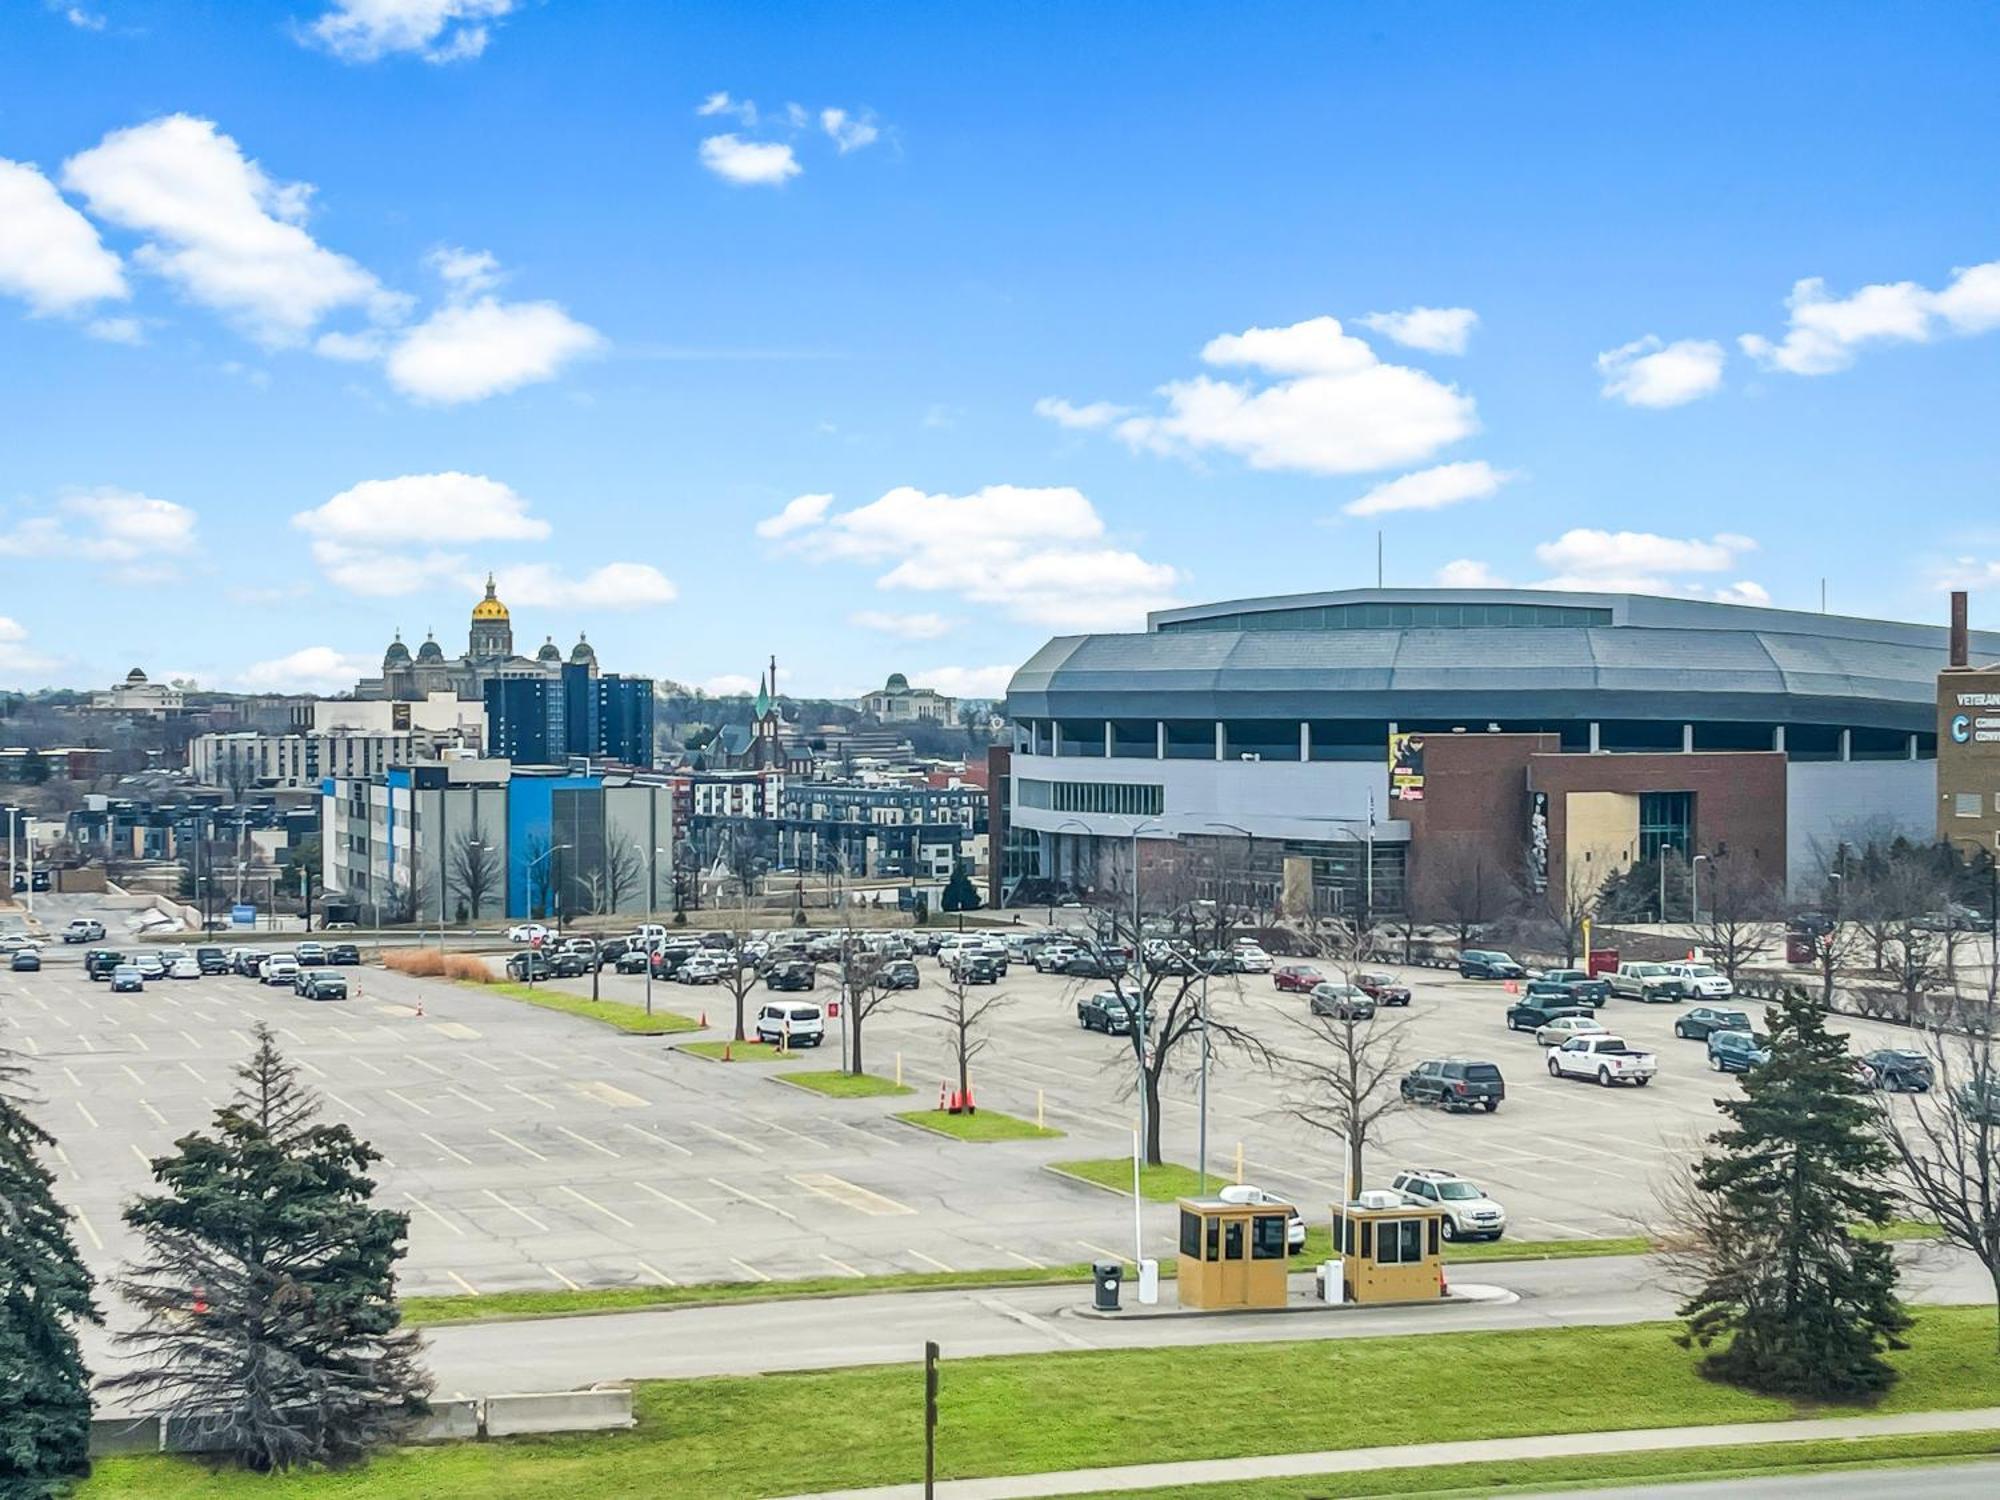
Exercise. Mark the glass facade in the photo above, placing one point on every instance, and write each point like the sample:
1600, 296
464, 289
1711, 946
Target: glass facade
1123, 799
1666, 821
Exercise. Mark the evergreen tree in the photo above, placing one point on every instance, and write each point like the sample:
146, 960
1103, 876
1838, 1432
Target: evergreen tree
959, 892
44, 1295
268, 1284
1798, 1304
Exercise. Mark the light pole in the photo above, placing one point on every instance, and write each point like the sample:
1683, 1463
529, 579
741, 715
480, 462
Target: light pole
1694, 887
545, 854
1088, 832
652, 884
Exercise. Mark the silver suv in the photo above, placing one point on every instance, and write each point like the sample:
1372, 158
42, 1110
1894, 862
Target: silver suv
1468, 1213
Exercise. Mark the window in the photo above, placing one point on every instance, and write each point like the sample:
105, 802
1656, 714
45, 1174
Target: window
1232, 1240
1190, 1235
1084, 737
1968, 804
1214, 1251
1267, 1237
1400, 1243
1666, 821
1119, 798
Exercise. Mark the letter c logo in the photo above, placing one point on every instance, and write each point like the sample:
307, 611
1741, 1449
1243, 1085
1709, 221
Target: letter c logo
1961, 729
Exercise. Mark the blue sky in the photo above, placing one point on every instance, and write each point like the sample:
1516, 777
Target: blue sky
312, 313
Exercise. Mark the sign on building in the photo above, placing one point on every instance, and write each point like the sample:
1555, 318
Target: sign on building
1406, 768
243, 915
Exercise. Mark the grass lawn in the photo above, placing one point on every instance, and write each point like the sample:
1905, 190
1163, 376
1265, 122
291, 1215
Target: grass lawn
1162, 1184
735, 1438
628, 1018
1749, 1461
838, 1085
751, 1051
983, 1125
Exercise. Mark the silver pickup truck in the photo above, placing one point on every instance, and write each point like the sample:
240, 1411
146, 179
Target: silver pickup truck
1648, 982
1604, 1058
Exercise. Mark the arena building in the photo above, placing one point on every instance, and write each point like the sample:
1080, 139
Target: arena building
1564, 734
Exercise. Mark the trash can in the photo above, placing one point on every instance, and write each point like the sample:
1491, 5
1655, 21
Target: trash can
1105, 1276
1798, 948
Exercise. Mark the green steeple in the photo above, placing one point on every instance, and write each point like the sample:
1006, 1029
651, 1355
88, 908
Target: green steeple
763, 696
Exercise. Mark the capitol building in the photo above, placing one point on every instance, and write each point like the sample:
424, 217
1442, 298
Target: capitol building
489, 656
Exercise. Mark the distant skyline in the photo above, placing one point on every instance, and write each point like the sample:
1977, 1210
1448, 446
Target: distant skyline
903, 338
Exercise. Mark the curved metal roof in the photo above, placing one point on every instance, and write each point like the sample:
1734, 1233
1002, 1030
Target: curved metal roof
1666, 659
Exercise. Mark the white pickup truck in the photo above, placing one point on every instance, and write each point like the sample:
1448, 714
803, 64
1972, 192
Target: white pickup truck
1603, 1057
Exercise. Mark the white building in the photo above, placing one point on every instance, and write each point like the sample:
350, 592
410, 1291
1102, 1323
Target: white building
441, 712
137, 695
896, 702
303, 761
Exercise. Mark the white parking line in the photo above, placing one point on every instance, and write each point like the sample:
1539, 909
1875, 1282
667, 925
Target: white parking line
83, 1038
89, 1118
68, 1165
810, 1140
734, 1140
658, 1275
840, 1265
310, 1067
146, 1105
364, 1062
139, 1041
531, 1098
540, 1062
193, 1041
241, 1039
1101, 1253
465, 1286
447, 1150
88, 1228
562, 1278
435, 1214
144, 1160
516, 1210
753, 1198
589, 1202
137, 1081
475, 1103
647, 1187
586, 1141
659, 1140
1026, 1260
34, 1047
482, 1062
748, 1270
851, 1195
350, 1109
930, 1260
406, 1099
433, 1067
524, 1150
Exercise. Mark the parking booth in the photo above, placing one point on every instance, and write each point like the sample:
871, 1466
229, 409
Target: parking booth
1390, 1251
1233, 1254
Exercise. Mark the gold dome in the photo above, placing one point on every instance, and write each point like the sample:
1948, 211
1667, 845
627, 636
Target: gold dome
489, 608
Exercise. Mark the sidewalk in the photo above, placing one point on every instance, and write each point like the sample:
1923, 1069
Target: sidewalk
1423, 1455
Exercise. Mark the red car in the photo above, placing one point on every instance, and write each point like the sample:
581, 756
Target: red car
1296, 979
1382, 989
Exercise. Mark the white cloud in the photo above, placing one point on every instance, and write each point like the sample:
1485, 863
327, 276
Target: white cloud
14, 655
720, 103
967, 682
729, 685
849, 132
749, 163
1038, 555
223, 232
1583, 553
1469, 573
1431, 489
1649, 372
439, 31
1437, 330
1824, 334
380, 574
1336, 408
1968, 573
84, 20
1082, 418
140, 536
50, 255
312, 669
12, 630
912, 627
471, 351
806, 510
116, 330
466, 272
419, 507
621, 585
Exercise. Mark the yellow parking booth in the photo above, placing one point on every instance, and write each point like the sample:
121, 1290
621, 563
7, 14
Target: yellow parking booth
1232, 1254
1389, 1251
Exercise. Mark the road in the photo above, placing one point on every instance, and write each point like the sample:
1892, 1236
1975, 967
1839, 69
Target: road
1977, 1481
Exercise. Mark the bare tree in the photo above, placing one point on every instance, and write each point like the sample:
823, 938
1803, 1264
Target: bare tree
1460, 885
963, 1013
739, 973
1742, 904
620, 877
1566, 904
1346, 1080
473, 870
860, 971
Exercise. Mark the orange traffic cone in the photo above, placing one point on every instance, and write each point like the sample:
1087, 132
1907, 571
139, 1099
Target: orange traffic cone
704, 1020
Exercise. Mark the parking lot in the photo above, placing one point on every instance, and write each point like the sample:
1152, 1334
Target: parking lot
533, 1149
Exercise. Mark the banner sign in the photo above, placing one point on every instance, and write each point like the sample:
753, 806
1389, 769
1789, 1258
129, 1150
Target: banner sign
1538, 841
1406, 768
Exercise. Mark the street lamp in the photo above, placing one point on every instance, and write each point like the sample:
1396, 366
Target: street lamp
546, 853
652, 885
1694, 886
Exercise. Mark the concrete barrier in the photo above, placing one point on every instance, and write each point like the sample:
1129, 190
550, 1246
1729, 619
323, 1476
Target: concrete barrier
114, 1435
449, 1422
560, 1411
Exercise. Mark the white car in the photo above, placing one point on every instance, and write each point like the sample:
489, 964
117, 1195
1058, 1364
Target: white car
526, 932
184, 968
1703, 981
797, 1024
279, 968
1255, 1197
1468, 1213
700, 970
1251, 958
1562, 1028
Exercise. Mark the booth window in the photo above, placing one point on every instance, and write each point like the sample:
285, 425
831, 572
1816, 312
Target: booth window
1434, 1235
1214, 1240
1367, 1238
1190, 1235
1400, 1243
1232, 1240
1267, 1237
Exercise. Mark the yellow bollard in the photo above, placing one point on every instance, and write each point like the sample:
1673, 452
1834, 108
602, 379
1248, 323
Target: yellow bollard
1041, 1122
899, 1070
1239, 1164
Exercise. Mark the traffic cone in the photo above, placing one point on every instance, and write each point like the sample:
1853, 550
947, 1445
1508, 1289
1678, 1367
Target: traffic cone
944, 1097
704, 1020
970, 1107
725, 1052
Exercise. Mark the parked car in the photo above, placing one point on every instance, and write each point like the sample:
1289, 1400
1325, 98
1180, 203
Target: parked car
1651, 983
530, 966
1053, 958
25, 961
790, 975
1251, 958
126, 978
1697, 1024
1978, 1101
99, 962
632, 961
1083, 965
246, 961
1899, 1070
1533, 1011
1455, 1083
1577, 986
1382, 989
187, 966
84, 930
308, 953
526, 932
211, 960
279, 968
1468, 1213
1737, 1051
798, 1024
1486, 963
976, 968
1342, 1002
1252, 1196
1296, 979
1953, 917
899, 974
1702, 981
343, 954
1106, 1011
150, 965
1555, 1032
699, 969
1603, 1057
322, 984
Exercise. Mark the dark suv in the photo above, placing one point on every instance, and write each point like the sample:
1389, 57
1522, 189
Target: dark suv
99, 962
1484, 963
212, 960
1455, 1083
789, 976
1106, 1011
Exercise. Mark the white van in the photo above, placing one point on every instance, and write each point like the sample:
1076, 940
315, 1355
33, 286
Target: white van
798, 1024
1255, 1197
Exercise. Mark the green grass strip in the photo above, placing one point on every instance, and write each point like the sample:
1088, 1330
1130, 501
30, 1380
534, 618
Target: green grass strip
614, 1013
1166, 1183
984, 1125
736, 1438
837, 1085
742, 1052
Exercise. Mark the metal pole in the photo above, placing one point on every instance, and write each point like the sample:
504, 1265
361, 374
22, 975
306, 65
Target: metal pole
30, 851
1138, 1227
1139, 1030
930, 1418
1201, 1151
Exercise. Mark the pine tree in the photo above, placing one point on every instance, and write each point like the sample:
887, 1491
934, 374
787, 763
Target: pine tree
44, 1296
268, 1284
1798, 1304
959, 893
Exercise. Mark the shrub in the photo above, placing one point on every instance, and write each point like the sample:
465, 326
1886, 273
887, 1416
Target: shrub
428, 963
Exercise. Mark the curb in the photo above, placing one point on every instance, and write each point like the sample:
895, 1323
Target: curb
806, 1088
1116, 1192
1084, 1310
959, 1140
